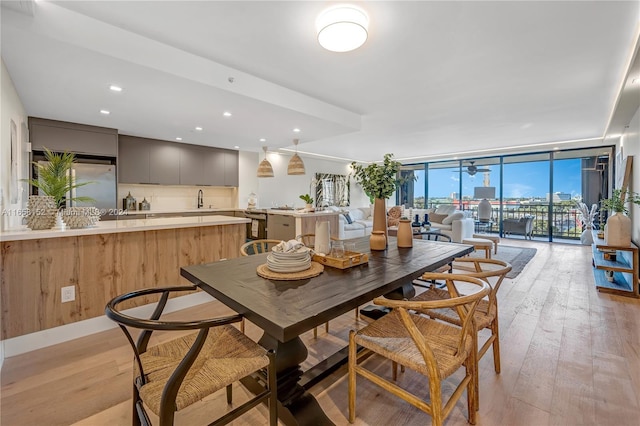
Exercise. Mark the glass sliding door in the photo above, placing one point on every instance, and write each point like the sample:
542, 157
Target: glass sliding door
578, 176
481, 190
527, 190
443, 184
413, 186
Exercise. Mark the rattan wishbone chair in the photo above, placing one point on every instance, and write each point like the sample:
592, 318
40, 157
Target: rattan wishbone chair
493, 272
432, 348
177, 373
257, 247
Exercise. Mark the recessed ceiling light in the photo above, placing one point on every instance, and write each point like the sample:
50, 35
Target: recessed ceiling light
199, 128
178, 139
115, 88
236, 147
263, 140
635, 80
296, 130
226, 114
105, 112
555, 148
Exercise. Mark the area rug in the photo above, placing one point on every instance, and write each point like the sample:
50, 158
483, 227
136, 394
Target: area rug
518, 257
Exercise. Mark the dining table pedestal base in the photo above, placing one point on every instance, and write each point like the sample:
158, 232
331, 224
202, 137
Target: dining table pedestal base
296, 407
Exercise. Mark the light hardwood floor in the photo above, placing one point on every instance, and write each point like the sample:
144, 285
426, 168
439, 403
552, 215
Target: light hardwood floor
570, 356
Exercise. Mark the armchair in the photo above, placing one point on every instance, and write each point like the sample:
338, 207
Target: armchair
522, 226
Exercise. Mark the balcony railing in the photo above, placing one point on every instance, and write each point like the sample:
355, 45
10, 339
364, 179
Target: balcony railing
565, 218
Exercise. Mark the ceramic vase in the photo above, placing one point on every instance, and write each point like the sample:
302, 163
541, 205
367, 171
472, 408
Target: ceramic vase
405, 234
617, 233
377, 241
42, 212
380, 217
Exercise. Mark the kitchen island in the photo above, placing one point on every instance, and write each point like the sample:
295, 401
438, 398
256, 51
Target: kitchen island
287, 224
113, 258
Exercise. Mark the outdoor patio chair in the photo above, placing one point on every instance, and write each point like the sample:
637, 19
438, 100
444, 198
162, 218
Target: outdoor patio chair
521, 226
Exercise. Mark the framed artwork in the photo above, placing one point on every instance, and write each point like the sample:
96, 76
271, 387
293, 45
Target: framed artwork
13, 185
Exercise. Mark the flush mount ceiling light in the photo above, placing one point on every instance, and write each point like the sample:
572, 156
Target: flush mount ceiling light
342, 28
264, 168
296, 165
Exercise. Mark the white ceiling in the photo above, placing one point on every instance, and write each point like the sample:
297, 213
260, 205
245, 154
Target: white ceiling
433, 79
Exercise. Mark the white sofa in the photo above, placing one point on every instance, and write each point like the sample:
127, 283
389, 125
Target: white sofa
456, 224
361, 222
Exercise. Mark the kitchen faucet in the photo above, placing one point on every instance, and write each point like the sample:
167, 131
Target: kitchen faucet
200, 202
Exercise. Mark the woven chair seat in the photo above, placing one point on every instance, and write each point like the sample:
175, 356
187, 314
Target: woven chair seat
390, 338
227, 356
484, 315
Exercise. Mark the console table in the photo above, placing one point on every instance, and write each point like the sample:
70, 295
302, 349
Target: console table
624, 268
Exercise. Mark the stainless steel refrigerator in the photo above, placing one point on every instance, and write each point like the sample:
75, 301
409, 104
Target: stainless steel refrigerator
103, 188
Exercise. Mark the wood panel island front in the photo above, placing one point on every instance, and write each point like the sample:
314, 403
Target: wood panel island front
113, 258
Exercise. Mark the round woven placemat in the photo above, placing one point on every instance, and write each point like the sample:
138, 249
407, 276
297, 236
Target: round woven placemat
315, 270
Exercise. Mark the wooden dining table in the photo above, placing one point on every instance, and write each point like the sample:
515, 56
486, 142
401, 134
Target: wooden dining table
286, 309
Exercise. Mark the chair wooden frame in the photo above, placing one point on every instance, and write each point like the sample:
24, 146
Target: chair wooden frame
486, 314
263, 360
257, 246
442, 348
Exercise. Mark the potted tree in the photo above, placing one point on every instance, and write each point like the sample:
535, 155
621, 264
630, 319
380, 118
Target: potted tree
379, 182
618, 229
55, 181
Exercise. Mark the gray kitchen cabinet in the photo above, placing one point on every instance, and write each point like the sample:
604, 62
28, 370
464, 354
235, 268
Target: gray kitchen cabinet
214, 167
192, 165
133, 159
143, 160
281, 227
164, 163
231, 168
72, 137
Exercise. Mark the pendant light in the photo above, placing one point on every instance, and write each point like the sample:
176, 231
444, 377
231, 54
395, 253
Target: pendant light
296, 165
264, 168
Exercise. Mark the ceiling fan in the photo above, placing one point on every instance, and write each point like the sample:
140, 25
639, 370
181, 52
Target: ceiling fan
472, 169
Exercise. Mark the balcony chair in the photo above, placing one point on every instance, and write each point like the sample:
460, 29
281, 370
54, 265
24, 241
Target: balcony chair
522, 226
176, 373
491, 271
432, 348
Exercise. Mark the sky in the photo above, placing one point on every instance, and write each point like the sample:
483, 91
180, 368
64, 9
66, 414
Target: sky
522, 180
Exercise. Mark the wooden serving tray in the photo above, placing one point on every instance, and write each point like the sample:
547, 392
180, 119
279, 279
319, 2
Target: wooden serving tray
350, 259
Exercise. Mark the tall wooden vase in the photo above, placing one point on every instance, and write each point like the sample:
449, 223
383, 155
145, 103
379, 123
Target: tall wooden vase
618, 231
380, 217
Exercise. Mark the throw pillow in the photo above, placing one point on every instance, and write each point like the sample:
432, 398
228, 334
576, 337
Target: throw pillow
437, 218
347, 217
393, 216
446, 209
449, 219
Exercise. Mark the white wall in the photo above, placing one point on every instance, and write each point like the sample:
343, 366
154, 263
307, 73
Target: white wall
285, 189
11, 109
630, 142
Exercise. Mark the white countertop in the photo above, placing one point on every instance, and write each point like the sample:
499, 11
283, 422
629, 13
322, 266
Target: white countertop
127, 225
178, 211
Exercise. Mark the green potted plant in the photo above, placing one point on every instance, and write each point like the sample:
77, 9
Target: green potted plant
307, 200
618, 229
379, 182
54, 181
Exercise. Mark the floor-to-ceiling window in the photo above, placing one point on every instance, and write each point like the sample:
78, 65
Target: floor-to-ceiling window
545, 185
